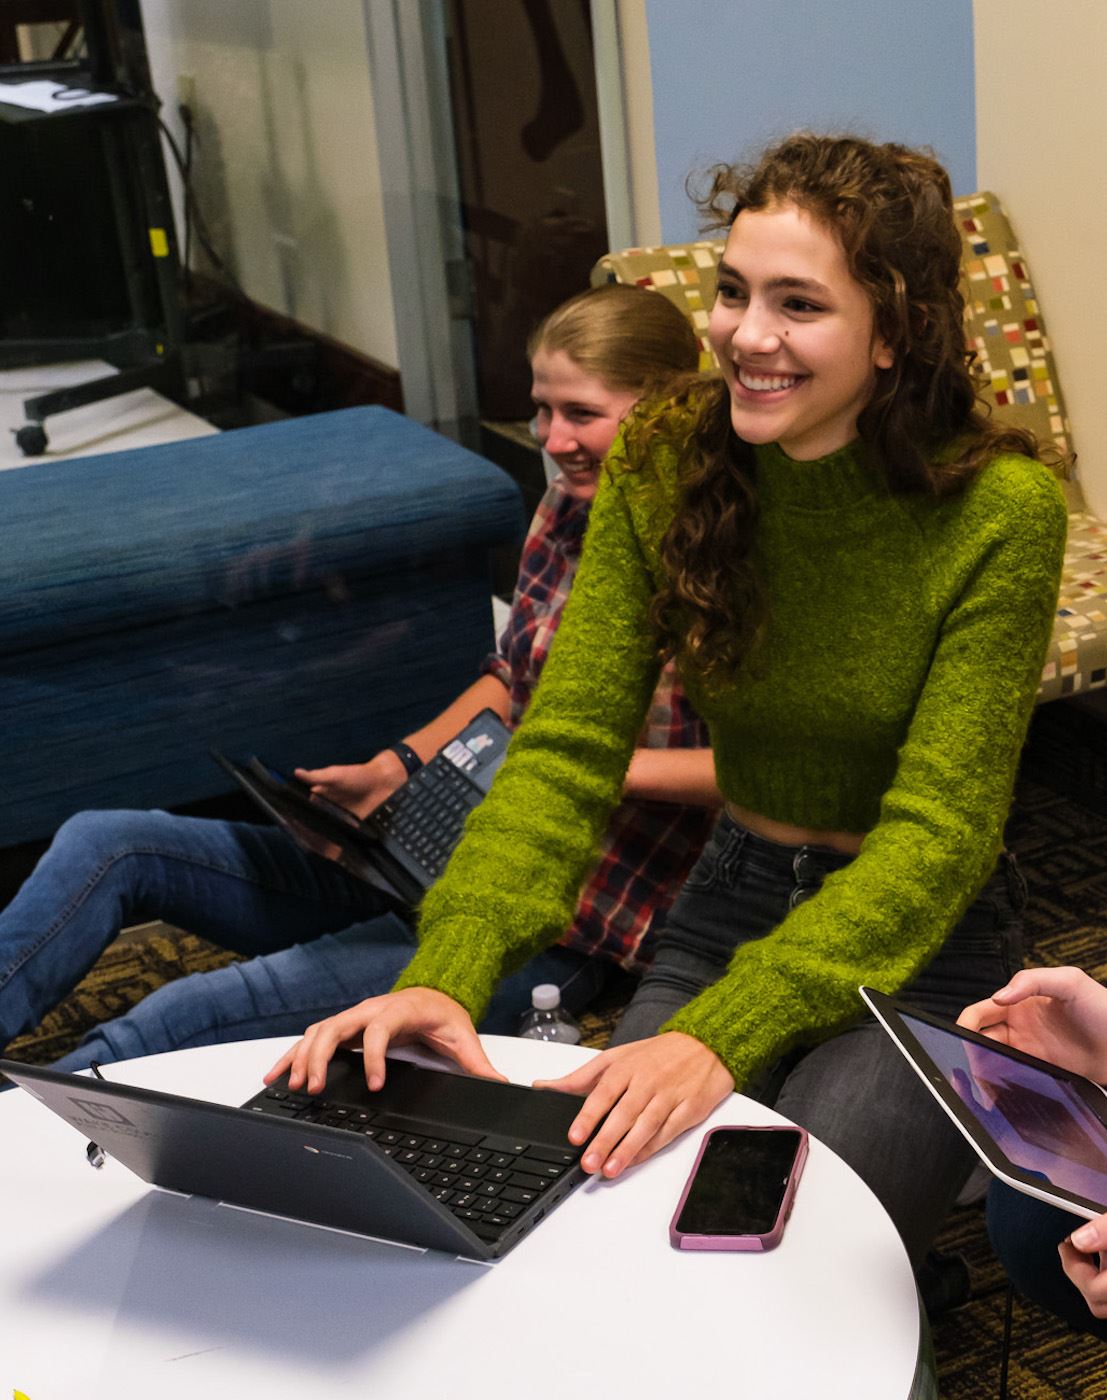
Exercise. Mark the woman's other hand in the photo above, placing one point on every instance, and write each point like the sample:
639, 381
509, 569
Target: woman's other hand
359, 787
1058, 1014
416, 1015
651, 1091
1081, 1260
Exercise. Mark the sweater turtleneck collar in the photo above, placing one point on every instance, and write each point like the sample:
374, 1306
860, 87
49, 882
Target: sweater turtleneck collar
838, 481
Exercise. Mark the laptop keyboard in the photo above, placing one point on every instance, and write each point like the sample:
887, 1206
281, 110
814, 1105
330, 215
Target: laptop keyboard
486, 1181
426, 815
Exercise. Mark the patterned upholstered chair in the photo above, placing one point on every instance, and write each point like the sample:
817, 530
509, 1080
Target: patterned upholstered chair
1004, 325
684, 272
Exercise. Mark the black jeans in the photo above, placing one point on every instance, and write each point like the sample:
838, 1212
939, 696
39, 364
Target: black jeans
855, 1092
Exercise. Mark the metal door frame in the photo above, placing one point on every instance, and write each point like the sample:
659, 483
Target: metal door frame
407, 66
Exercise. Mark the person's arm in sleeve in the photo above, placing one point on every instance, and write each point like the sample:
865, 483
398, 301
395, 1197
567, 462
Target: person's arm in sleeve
512, 884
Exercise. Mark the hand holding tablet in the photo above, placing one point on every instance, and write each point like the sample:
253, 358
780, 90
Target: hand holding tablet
1058, 1014
1040, 1128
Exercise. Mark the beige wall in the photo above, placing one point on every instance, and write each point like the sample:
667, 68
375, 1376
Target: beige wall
634, 42
1041, 133
287, 171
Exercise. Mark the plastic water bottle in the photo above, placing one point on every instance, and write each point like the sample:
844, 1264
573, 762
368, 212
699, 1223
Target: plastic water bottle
547, 1019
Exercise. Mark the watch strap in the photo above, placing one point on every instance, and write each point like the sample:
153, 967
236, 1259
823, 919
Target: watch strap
407, 756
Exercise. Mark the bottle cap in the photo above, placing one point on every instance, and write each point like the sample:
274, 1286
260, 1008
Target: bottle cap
545, 996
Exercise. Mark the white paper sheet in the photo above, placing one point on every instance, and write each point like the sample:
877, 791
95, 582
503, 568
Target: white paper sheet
45, 95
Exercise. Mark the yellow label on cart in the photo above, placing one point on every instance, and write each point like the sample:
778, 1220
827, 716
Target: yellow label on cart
159, 243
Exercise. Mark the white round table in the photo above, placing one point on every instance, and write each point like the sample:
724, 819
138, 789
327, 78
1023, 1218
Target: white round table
112, 1291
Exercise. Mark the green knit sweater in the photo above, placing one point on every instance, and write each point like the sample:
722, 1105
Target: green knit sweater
891, 693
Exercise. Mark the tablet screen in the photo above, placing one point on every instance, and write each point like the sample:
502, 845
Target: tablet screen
1038, 1120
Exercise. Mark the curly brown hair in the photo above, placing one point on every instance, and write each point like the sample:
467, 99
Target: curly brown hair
891, 210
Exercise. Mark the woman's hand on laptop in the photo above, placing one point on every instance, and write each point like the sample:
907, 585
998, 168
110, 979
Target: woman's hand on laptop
651, 1091
1058, 1014
416, 1015
359, 787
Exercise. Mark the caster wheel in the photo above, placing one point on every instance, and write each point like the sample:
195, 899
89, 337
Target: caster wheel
31, 439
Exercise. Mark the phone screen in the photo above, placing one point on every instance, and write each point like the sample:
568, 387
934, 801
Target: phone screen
740, 1182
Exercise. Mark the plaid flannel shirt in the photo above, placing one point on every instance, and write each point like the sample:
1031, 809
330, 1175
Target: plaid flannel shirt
649, 847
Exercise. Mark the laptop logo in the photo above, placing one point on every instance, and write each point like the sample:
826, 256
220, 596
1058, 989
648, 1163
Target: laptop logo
322, 1152
102, 1113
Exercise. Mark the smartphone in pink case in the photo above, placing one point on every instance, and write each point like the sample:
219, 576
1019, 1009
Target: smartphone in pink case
740, 1191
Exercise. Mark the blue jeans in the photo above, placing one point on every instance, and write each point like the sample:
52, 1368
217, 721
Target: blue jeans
855, 1092
317, 940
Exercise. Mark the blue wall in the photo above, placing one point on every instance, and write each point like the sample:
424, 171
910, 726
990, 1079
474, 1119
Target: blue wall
731, 75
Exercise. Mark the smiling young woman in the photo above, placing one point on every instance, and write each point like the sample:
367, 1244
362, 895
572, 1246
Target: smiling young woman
576, 417
592, 359
856, 574
793, 332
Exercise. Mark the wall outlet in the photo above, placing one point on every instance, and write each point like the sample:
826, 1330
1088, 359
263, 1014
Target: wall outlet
186, 89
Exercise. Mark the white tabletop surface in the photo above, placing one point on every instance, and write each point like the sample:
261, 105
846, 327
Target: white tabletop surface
111, 1289
142, 418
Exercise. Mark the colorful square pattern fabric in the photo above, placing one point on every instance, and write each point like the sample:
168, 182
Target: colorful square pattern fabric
683, 272
1013, 356
1077, 658
1004, 326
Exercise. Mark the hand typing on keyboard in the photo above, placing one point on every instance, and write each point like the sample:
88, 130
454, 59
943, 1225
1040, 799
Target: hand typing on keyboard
359, 787
416, 1015
651, 1091
647, 1093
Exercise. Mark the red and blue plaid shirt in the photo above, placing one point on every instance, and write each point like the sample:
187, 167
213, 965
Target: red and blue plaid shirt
649, 847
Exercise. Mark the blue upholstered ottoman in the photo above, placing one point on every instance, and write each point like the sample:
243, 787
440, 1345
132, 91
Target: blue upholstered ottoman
309, 590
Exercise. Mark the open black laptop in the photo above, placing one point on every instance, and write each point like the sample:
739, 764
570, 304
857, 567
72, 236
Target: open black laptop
404, 845
434, 1159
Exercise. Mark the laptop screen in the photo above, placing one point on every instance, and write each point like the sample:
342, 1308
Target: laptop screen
1036, 1119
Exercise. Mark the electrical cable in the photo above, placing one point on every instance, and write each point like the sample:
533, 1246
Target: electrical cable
186, 262
192, 206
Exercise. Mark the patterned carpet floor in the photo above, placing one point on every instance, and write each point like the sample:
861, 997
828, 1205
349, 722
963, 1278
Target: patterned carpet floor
1062, 847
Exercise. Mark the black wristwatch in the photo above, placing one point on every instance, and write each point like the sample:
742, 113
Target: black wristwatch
407, 756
